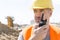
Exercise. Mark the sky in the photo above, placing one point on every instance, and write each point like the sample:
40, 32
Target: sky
22, 12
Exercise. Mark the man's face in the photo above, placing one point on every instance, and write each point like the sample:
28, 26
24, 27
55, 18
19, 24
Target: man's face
38, 14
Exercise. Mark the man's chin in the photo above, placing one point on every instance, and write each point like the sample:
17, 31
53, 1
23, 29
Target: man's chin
37, 21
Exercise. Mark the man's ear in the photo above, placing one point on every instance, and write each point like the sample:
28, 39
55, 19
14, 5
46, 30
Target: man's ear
50, 12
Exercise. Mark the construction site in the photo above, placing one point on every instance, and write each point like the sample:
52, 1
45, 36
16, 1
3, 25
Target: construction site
31, 15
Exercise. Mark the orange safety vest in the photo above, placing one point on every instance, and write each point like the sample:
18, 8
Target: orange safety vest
54, 33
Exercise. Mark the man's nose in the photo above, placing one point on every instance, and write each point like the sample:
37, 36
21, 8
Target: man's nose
38, 14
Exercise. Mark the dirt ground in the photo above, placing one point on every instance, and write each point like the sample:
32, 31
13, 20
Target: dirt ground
8, 34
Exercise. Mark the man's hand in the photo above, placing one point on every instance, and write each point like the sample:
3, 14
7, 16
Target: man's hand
39, 33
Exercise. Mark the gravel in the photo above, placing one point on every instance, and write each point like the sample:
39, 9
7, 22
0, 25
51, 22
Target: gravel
7, 33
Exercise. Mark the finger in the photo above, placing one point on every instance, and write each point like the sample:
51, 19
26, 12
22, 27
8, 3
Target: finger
41, 29
45, 27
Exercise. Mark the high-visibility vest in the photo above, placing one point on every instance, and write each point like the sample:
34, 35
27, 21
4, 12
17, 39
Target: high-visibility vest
54, 33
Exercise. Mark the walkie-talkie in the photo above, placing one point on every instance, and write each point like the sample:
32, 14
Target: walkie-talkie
43, 22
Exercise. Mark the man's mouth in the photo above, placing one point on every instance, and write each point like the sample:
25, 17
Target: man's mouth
38, 19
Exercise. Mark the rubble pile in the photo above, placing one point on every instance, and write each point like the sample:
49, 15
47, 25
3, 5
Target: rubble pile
7, 33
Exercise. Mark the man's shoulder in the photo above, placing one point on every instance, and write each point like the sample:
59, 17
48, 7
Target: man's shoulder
29, 28
55, 28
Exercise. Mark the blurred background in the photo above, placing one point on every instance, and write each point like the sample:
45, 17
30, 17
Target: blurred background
18, 14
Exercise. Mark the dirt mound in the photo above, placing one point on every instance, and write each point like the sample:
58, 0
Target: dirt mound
8, 34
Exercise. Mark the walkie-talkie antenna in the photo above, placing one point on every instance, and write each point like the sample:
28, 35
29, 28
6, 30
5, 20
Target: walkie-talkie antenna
42, 17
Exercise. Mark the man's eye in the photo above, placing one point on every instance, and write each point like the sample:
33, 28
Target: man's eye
35, 11
41, 10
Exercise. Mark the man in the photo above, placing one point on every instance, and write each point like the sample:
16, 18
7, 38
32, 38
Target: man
44, 32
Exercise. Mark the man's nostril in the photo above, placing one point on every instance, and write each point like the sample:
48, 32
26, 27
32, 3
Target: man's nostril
38, 17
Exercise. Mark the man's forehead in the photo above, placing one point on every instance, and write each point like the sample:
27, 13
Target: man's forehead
43, 9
